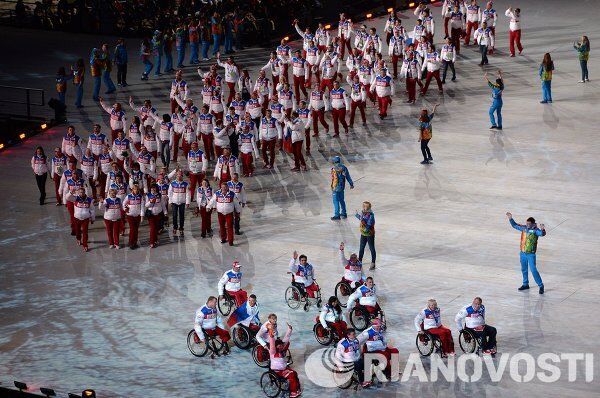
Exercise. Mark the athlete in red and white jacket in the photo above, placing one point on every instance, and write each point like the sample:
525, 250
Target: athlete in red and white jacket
383, 86
71, 144
83, 214
358, 96
226, 203
112, 207
179, 90
227, 164
322, 37
247, 144
144, 112
232, 74
96, 141
340, 102
263, 87
118, 121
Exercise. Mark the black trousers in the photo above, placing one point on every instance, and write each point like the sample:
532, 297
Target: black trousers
425, 149
233, 144
484, 51
122, 74
178, 215
41, 184
236, 222
363, 242
359, 366
488, 337
448, 64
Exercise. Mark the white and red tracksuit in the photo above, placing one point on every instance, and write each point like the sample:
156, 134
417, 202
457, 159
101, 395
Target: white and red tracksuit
203, 196
270, 132
275, 65
305, 115
231, 282
232, 74
396, 51
221, 138
514, 31
204, 129
329, 70
300, 72
179, 90
411, 71
117, 120
490, 17
96, 143
217, 106
312, 65
83, 213
457, 26
145, 112
247, 143
339, 103
383, 87
157, 207
296, 128
345, 35
134, 206
317, 107
432, 63
358, 96
226, 204
322, 38
197, 166
264, 88
58, 166
207, 91
473, 19
365, 76
225, 167
284, 53
112, 218
71, 146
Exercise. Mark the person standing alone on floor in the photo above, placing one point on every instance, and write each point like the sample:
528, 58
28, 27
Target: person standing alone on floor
546, 70
497, 89
367, 232
529, 238
339, 176
425, 133
583, 49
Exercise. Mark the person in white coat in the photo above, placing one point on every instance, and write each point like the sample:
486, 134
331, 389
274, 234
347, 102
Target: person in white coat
432, 63
134, 208
112, 207
232, 74
448, 59
39, 165
296, 128
226, 202
179, 199
514, 30
484, 37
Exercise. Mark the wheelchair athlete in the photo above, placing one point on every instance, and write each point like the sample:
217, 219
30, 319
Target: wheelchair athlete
332, 317
348, 350
231, 282
374, 338
430, 321
366, 297
304, 275
474, 320
277, 353
353, 270
247, 315
208, 322
262, 337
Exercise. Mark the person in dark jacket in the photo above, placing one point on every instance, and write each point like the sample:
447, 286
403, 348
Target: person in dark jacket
120, 59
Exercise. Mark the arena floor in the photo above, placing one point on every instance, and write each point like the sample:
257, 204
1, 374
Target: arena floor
117, 321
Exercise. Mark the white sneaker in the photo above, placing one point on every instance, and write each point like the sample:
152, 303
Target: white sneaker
581, 81
117, 247
112, 246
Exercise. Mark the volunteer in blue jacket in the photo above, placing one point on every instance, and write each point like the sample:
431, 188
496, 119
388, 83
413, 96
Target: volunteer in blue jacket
339, 176
529, 238
497, 89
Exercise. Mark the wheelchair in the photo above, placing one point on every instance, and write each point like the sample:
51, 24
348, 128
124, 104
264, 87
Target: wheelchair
265, 361
226, 303
296, 297
427, 343
343, 290
200, 348
243, 337
360, 317
325, 336
469, 342
274, 385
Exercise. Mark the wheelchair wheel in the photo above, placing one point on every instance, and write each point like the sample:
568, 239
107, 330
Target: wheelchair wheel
425, 344
264, 361
225, 304
342, 292
359, 318
323, 335
216, 345
345, 380
196, 347
293, 297
270, 384
318, 298
467, 341
241, 336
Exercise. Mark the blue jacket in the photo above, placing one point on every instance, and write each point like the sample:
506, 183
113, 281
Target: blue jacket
120, 55
339, 175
